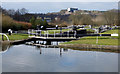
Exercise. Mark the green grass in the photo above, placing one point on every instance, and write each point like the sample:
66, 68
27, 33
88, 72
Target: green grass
16, 37
108, 40
87, 27
115, 31
92, 40
90, 30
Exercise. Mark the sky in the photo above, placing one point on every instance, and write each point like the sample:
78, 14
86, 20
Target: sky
45, 7
59, 0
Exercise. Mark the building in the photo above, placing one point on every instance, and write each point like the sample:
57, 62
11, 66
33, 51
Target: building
47, 19
72, 9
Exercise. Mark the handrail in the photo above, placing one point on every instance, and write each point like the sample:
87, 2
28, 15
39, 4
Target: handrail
5, 35
46, 33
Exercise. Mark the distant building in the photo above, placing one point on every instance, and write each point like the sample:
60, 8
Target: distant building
67, 12
38, 17
47, 19
57, 19
72, 9
44, 18
85, 13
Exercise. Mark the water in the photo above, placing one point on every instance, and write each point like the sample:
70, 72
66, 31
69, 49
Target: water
26, 58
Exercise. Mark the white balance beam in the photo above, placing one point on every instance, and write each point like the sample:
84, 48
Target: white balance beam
114, 34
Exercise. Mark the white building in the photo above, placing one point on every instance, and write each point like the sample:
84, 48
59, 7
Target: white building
72, 9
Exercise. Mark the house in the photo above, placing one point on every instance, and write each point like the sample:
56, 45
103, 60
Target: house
47, 19
72, 9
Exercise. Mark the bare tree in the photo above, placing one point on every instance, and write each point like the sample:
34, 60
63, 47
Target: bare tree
23, 11
111, 17
11, 12
86, 19
75, 19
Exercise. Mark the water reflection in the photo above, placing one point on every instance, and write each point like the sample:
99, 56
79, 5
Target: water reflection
60, 49
60, 52
39, 59
100, 50
54, 44
39, 48
51, 58
4, 46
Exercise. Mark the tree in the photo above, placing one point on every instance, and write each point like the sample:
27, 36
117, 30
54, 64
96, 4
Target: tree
99, 20
11, 12
32, 21
41, 22
86, 19
45, 24
7, 22
23, 11
38, 22
75, 19
17, 15
111, 17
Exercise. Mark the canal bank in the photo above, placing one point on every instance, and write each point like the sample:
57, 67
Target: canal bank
90, 46
68, 44
107, 43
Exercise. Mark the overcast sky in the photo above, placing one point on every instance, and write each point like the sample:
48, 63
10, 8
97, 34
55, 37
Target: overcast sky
45, 7
59, 0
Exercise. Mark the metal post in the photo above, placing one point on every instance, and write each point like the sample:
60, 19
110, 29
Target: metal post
44, 33
40, 32
68, 33
32, 31
97, 38
54, 34
75, 34
47, 34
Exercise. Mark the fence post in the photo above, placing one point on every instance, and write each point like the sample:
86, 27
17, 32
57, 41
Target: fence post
74, 34
40, 32
47, 34
44, 33
97, 38
32, 31
54, 34
68, 34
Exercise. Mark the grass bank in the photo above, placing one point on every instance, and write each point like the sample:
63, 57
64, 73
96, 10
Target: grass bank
115, 31
14, 37
91, 41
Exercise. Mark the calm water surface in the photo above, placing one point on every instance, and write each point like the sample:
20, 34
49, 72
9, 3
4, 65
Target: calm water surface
25, 58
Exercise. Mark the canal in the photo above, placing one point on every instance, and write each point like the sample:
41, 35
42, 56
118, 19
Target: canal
26, 58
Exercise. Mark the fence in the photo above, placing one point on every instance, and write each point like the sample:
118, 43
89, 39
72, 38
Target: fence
41, 33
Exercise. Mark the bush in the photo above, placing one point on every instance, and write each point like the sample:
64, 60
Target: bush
9, 23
